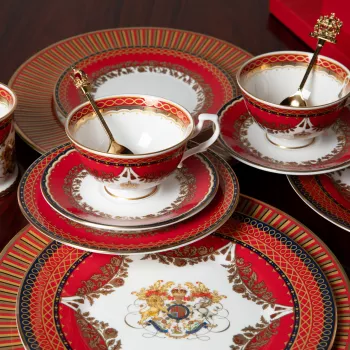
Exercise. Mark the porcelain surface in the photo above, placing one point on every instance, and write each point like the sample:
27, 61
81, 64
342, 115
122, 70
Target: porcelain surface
268, 79
195, 70
180, 303
47, 220
247, 142
74, 193
328, 195
154, 129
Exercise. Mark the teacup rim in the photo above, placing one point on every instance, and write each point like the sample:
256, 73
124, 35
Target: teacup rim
288, 107
128, 156
14, 105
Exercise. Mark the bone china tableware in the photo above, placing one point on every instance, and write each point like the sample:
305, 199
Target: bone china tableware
202, 68
326, 29
155, 129
8, 166
261, 260
328, 195
266, 79
81, 81
247, 142
47, 220
75, 194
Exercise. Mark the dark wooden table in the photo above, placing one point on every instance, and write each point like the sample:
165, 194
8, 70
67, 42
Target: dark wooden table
29, 26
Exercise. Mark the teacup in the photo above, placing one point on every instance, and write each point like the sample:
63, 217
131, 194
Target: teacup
154, 129
8, 167
267, 79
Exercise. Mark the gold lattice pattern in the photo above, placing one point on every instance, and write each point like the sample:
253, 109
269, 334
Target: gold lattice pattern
43, 294
279, 58
294, 113
131, 101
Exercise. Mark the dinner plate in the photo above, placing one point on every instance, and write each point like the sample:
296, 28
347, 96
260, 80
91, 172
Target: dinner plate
267, 291
328, 195
40, 214
247, 142
77, 195
195, 69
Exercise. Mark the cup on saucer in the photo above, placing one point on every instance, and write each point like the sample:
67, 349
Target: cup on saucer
8, 166
267, 79
154, 129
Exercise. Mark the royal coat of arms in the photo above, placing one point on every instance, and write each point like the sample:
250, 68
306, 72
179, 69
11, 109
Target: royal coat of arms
178, 311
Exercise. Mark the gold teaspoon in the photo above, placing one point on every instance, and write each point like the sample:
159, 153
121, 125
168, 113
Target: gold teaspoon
326, 29
81, 81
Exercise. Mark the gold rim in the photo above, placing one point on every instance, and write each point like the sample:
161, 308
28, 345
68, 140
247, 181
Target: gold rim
127, 156
288, 147
287, 107
151, 193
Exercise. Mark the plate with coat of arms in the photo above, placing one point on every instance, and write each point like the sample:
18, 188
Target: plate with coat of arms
254, 284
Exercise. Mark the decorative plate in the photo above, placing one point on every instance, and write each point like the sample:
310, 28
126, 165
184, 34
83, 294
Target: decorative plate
265, 292
247, 142
195, 69
328, 195
75, 194
40, 214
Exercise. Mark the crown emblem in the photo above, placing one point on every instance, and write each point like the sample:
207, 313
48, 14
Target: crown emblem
179, 293
327, 28
80, 78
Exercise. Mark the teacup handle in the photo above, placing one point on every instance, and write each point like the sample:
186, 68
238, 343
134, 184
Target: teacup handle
206, 144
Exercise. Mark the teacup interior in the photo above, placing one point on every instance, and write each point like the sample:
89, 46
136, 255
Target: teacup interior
4, 107
273, 83
142, 131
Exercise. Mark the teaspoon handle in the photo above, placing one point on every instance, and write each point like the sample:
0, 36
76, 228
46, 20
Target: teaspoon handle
320, 44
97, 111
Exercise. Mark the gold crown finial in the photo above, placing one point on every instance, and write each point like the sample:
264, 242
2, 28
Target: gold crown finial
327, 28
80, 78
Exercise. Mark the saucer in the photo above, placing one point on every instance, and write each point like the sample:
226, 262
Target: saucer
249, 286
247, 142
39, 213
202, 66
328, 195
75, 194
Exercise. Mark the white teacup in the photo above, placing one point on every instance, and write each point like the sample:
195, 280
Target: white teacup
267, 79
154, 129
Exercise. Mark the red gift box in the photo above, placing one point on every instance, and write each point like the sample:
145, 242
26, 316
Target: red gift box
300, 16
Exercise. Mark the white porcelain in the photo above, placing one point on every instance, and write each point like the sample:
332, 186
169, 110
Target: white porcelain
205, 305
74, 193
153, 133
267, 79
245, 140
276, 83
164, 82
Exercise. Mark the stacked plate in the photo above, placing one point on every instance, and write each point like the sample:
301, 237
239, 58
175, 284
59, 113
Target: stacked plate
60, 198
